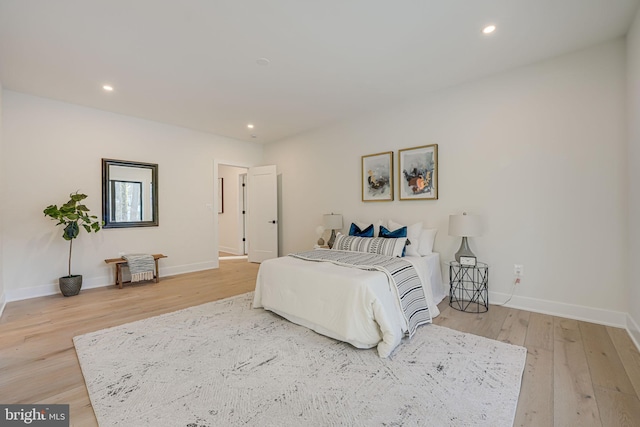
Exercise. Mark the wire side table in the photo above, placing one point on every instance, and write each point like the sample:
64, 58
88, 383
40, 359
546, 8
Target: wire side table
468, 287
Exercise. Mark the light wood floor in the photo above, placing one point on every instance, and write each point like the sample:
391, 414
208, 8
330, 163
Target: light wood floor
577, 373
225, 254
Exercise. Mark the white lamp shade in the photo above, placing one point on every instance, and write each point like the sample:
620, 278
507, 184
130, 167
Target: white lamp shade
465, 225
332, 221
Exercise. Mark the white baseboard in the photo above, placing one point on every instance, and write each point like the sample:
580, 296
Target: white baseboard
235, 257
53, 288
98, 282
570, 311
3, 303
234, 251
634, 331
189, 268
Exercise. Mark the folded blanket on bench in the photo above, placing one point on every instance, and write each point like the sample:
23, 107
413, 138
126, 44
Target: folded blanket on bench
141, 266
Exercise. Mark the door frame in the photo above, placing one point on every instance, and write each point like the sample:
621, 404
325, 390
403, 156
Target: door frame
216, 228
242, 212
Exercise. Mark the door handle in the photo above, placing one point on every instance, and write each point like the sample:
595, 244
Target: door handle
271, 222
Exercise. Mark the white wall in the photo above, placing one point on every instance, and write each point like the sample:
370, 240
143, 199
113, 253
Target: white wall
229, 222
633, 78
52, 149
539, 152
2, 292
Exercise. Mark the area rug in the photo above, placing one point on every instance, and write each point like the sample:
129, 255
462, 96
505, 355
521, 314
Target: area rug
226, 364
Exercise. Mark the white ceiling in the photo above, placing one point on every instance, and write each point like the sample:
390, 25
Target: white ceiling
192, 63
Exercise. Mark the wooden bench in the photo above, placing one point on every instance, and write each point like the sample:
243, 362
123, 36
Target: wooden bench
119, 262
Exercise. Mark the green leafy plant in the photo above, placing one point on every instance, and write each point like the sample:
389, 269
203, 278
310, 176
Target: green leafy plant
72, 215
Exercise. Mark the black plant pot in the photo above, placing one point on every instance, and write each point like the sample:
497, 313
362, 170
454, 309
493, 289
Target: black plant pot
70, 285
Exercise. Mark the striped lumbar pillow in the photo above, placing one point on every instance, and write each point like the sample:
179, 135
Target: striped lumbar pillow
373, 245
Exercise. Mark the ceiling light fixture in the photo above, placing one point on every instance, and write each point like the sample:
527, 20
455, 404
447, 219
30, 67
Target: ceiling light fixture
263, 61
250, 126
108, 88
489, 29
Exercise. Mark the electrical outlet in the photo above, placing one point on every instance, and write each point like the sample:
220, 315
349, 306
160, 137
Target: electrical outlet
518, 270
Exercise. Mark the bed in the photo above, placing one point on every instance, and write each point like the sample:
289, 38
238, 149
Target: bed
348, 304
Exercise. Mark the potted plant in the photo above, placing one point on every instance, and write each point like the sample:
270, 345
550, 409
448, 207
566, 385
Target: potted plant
72, 215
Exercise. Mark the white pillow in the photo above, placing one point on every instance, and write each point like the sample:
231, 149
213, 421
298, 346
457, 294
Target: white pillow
413, 234
373, 245
427, 237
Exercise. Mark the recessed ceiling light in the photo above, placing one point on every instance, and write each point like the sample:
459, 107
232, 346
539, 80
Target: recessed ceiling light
253, 136
108, 88
489, 29
250, 126
263, 61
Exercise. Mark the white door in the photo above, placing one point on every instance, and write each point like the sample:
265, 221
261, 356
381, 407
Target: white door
263, 213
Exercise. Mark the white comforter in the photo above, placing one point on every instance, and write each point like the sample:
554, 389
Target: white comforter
348, 304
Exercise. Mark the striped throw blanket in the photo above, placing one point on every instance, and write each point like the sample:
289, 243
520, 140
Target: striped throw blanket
141, 266
401, 273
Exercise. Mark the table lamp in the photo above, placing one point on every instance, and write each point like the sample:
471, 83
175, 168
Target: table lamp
332, 222
464, 226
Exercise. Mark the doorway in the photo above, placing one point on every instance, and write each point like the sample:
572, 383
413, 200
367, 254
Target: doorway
232, 208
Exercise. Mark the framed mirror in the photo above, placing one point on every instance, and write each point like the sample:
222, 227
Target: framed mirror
129, 194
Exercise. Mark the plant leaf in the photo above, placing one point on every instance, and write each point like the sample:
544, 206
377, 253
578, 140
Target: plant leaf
76, 197
71, 231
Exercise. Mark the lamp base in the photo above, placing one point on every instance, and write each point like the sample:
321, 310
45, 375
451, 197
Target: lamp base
464, 250
332, 239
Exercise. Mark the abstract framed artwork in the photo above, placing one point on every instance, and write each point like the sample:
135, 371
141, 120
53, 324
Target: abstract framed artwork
377, 177
418, 173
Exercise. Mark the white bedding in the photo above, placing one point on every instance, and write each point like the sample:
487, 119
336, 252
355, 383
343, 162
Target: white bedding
348, 304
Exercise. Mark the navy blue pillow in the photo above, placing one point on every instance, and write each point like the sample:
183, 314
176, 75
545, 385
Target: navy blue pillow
355, 231
400, 232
